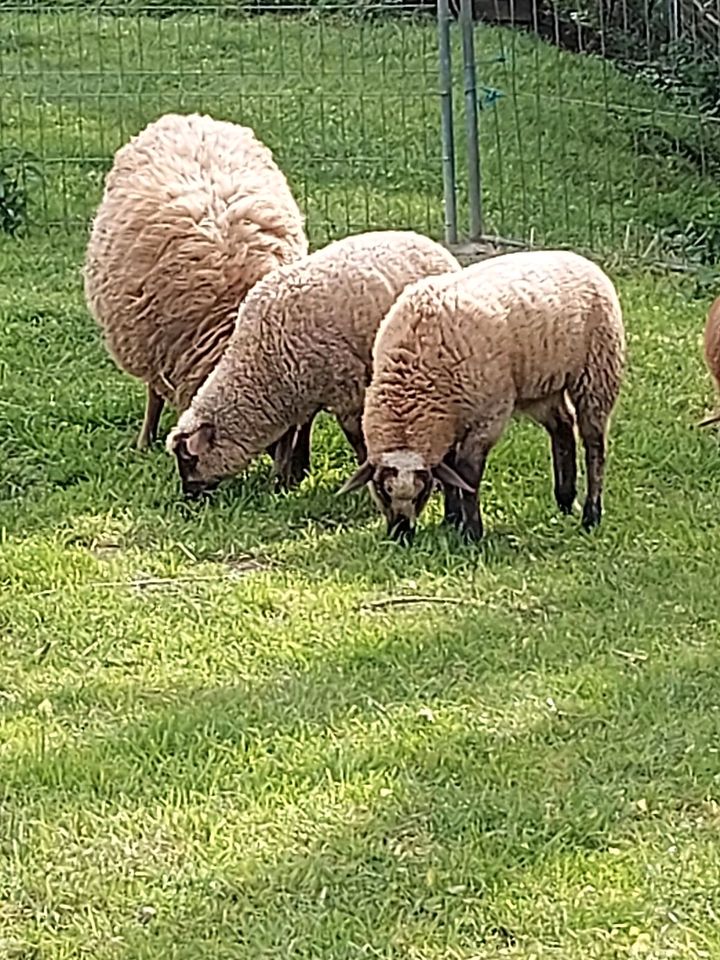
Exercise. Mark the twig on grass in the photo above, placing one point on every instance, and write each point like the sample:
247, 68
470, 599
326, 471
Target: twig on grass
141, 583
412, 598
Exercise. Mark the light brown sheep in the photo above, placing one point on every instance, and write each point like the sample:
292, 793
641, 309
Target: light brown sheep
711, 344
458, 355
302, 343
195, 211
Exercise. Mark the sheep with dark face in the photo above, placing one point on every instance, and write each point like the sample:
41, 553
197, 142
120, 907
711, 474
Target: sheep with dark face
459, 355
302, 343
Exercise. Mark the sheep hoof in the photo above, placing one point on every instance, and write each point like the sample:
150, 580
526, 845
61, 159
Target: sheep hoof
565, 501
285, 480
592, 514
471, 529
400, 529
472, 534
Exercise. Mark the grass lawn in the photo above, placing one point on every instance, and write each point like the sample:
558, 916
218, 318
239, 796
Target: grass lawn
217, 742
213, 745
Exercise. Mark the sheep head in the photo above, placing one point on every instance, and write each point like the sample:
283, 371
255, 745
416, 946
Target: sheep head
401, 483
203, 455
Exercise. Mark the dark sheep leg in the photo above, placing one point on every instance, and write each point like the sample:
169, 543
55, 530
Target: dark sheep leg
594, 441
560, 426
593, 414
462, 509
352, 428
452, 497
153, 408
291, 454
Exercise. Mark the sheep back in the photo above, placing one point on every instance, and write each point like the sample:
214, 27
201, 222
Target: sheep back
303, 342
504, 332
312, 323
195, 211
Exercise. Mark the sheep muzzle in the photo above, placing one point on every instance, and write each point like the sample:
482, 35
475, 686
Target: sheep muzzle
401, 529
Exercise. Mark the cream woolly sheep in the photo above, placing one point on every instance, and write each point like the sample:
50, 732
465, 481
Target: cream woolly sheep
458, 355
302, 343
195, 211
711, 344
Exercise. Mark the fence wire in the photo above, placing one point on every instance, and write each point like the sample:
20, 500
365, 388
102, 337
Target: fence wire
599, 124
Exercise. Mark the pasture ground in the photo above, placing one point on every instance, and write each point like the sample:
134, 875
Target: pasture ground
214, 745
222, 736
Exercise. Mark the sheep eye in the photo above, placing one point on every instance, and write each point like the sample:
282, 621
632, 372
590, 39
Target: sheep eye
379, 481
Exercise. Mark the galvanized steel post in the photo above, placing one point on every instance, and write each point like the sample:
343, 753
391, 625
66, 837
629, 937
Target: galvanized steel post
471, 120
446, 111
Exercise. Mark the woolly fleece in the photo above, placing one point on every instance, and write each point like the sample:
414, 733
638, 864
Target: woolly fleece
711, 341
303, 343
462, 352
195, 211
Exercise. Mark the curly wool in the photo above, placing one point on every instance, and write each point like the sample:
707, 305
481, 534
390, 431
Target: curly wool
711, 349
195, 211
303, 343
467, 351
711, 342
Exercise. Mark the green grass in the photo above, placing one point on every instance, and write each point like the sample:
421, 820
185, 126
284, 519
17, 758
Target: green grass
573, 151
213, 746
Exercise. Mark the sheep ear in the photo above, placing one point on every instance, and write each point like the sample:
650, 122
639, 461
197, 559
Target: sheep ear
447, 475
361, 476
199, 441
709, 421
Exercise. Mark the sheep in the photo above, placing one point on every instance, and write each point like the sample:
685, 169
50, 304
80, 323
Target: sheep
194, 212
711, 344
458, 355
302, 343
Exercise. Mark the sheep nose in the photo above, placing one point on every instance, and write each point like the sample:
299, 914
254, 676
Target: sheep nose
400, 529
195, 489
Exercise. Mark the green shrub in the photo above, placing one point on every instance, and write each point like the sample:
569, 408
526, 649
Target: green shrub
17, 170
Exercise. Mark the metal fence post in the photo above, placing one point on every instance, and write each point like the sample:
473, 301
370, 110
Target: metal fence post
471, 120
446, 113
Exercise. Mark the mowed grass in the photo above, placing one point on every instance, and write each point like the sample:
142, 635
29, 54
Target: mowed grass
214, 743
221, 735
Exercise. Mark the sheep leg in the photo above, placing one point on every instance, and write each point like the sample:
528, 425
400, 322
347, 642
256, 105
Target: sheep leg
462, 509
560, 424
352, 428
452, 496
564, 456
291, 454
280, 451
301, 452
271, 448
594, 441
153, 408
593, 418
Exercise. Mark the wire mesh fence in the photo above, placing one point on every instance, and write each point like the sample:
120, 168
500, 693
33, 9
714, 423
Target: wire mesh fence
599, 125
348, 108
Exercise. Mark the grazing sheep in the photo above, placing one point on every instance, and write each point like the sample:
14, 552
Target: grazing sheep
458, 355
302, 343
712, 353
195, 211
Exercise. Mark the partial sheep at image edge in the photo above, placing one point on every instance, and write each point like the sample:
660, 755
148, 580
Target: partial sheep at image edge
711, 348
